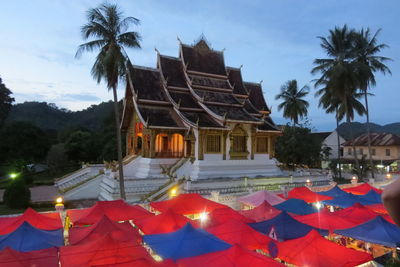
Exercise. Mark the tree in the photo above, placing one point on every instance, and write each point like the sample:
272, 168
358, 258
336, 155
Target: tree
293, 105
109, 30
5, 101
339, 74
81, 146
22, 143
57, 159
17, 194
297, 146
368, 63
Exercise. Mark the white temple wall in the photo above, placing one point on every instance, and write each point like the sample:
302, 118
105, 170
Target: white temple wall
196, 143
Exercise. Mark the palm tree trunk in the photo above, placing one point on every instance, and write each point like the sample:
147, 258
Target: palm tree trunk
357, 165
338, 143
369, 134
119, 148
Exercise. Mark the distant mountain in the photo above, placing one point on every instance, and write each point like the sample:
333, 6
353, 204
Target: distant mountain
50, 117
361, 128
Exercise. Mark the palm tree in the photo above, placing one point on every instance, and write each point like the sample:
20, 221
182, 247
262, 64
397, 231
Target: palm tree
338, 74
293, 105
108, 28
368, 63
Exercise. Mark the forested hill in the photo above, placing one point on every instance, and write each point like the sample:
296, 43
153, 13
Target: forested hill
50, 117
360, 128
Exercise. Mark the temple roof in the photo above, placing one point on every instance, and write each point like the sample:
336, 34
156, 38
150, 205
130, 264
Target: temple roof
194, 90
201, 58
256, 96
172, 70
147, 84
235, 78
160, 117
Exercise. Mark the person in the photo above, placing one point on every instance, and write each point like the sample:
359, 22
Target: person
391, 200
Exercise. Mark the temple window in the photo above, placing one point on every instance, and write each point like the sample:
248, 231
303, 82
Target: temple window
239, 143
213, 143
262, 144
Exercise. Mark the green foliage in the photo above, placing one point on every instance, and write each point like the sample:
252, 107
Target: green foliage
17, 194
293, 105
49, 117
57, 159
81, 146
5, 101
297, 146
22, 143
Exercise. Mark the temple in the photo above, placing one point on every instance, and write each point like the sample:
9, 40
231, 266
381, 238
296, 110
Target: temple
194, 113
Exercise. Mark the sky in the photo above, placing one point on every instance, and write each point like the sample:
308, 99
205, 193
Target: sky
275, 41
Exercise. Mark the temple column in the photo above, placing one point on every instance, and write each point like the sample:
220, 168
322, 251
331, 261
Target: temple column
192, 148
201, 145
270, 147
224, 136
252, 142
152, 149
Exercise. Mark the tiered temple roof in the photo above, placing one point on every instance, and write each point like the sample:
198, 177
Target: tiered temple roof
194, 90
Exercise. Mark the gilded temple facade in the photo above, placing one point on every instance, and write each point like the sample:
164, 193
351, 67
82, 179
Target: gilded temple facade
196, 109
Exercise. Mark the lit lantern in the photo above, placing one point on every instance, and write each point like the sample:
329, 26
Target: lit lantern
308, 183
389, 176
203, 217
173, 192
354, 180
59, 204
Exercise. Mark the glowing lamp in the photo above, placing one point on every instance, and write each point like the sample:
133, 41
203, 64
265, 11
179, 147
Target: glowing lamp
388, 176
13, 175
308, 182
173, 192
203, 217
59, 204
354, 180
318, 205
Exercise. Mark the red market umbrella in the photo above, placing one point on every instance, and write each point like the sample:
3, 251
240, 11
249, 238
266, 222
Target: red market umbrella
362, 189
236, 232
42, 221
307, 195
378, 208
314, 250
261, 213
118, 231
186, 204
236, 256
356, 214
44, 257
326, 220
116, 210
163, 223
222, 215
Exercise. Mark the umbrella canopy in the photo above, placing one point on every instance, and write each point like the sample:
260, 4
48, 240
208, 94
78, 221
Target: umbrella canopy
104, 251
284, 227
257, 198
296, 206
377, 230
236, 232
27, 238
45, 257
357, 214
378, 208
184, 243
307, 195
335, 191
370, 198
116, 210
43, 221
163, 223
236, 256
325, 220
223, 215
362, 189
186, 204
314, 250
118, 231
261, 213
343, 201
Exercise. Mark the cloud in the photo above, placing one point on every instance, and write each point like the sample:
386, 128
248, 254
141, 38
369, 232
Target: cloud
80, 97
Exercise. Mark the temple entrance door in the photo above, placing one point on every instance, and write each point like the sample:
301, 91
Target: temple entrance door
188, 148
164, 147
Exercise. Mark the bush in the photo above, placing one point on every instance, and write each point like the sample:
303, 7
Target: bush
17, 194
